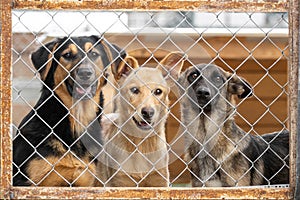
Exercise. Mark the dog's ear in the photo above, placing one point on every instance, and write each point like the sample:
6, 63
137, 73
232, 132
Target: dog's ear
42, 58
172, 64
114, 53
239, 86
117, 55
124, 68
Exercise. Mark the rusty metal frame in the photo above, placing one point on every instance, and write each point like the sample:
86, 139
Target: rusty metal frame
294, 64
7, 191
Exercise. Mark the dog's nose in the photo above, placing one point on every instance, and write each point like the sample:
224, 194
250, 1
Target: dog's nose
203, 92
147, 113
84, 73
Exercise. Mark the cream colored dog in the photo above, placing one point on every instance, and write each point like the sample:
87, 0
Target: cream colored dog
135, 146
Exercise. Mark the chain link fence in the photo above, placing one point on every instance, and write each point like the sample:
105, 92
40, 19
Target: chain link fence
150, 99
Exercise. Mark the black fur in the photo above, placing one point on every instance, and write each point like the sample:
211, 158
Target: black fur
49, 120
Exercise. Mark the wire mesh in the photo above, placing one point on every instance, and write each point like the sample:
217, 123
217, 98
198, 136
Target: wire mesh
134, 149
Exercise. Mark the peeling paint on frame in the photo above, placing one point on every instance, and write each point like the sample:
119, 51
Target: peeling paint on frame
8, 191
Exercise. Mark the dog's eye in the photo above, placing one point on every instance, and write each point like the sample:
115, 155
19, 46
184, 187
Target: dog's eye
157, 91
67, 55
135, 90
218, 79
193, 76
94, 54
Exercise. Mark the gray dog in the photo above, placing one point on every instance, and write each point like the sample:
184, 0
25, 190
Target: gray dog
219, 153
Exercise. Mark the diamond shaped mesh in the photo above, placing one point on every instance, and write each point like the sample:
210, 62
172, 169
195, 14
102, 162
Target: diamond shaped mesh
192, 136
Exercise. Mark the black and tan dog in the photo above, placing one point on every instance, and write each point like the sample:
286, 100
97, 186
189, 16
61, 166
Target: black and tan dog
219, 153
58, 140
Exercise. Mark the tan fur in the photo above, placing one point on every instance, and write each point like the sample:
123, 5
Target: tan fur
58, 146
82, 113
64, 126
137, 151
48, 66
54, 170
78, 119
71, 49
88, 46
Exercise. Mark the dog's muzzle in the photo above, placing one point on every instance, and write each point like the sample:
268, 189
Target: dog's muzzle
146, 122
203, 97
85, 83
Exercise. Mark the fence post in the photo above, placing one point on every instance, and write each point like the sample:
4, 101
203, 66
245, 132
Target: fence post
294, 31
5, 88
